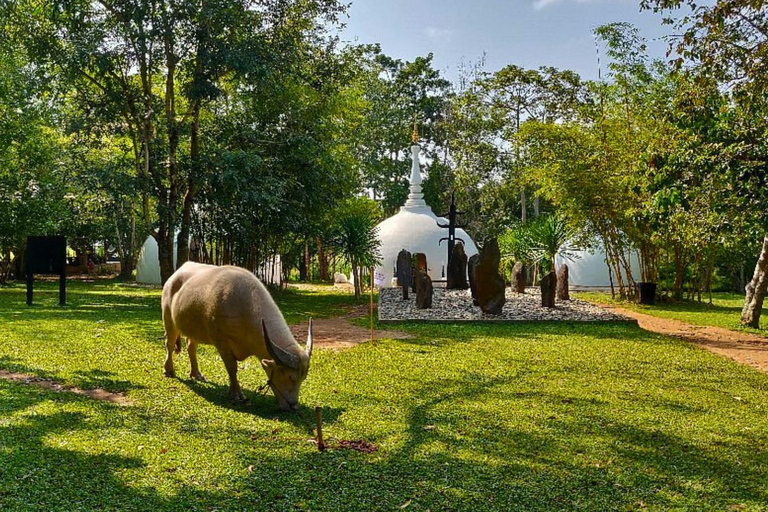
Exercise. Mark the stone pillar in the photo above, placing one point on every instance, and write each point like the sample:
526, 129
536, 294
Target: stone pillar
490, 284
472, 269
457, 269
403, 272
418, 262
548, 288
519, 277
562, 283
423, 290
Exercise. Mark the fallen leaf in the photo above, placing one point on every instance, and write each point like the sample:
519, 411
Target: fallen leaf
250, 468
406, 504
163, 451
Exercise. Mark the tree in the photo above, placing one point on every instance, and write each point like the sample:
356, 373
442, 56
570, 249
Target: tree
155, 65
729, 42
32, 178
396, 94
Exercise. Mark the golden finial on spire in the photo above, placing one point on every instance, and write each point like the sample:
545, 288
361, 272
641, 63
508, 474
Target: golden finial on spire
415, 132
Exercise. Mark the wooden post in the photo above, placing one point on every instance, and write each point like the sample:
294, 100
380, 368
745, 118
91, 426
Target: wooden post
371, 304
319, 422
61, 258
30, 284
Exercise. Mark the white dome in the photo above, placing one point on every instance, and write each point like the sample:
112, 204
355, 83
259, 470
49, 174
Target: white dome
588, 270
415, 229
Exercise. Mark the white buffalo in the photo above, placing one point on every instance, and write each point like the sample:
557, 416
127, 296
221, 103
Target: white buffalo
229, 308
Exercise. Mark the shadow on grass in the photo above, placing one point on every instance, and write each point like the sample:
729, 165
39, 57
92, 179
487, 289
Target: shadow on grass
567, 461
70, 478
83, 379
262, 405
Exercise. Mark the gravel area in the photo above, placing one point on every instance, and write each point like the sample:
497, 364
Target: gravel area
456, 305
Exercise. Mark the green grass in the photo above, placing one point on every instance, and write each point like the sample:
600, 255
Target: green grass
496, 417
725, 310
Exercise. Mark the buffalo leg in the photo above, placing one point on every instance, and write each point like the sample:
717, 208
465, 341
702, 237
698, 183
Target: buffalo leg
192, 351
171, 338
235, 393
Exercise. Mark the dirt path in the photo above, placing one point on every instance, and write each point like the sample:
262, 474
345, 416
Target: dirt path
339, 333
52, 385
746, 348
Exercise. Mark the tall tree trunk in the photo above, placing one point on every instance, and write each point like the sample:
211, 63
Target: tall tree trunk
189, 197
322, 260
356, 278
166, 236
753, 302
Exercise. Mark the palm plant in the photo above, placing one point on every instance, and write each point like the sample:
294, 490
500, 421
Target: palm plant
355, 236
515, 245
547, 237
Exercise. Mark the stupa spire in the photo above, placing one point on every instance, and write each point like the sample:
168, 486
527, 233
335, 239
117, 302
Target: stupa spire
415, 197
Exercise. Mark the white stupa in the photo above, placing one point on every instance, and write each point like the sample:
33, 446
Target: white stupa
148, 264
589, 271
415, 229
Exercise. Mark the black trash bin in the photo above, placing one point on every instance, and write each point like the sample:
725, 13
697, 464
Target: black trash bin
647, 292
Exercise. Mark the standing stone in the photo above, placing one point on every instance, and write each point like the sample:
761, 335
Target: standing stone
472, 268
418, 262
457, 269
562, 283
423, 290
518, 277
548, 288
490, 284
404, 275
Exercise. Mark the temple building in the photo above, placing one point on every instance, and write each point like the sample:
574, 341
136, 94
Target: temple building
416, 228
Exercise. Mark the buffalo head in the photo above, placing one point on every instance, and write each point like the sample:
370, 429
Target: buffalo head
286, 370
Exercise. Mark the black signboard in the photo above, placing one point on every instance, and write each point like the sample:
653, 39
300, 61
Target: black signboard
47, 255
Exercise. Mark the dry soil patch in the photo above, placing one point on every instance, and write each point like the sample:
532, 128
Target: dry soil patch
339, 333
52, 385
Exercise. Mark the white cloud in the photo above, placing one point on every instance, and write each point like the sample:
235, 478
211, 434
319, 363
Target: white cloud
438, 34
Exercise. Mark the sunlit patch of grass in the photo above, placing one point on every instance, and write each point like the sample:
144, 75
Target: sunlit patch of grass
725, 310
465, 417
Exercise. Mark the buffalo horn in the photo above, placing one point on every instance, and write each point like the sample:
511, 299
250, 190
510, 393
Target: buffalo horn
310, 340
281, 356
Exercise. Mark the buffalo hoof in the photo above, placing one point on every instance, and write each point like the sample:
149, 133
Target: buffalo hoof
197, 376
169, 373
238, 398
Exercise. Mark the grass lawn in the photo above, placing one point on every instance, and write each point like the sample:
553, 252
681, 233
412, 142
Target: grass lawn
498, 417
725, 310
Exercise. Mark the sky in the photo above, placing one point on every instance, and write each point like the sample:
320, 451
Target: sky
528, 33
